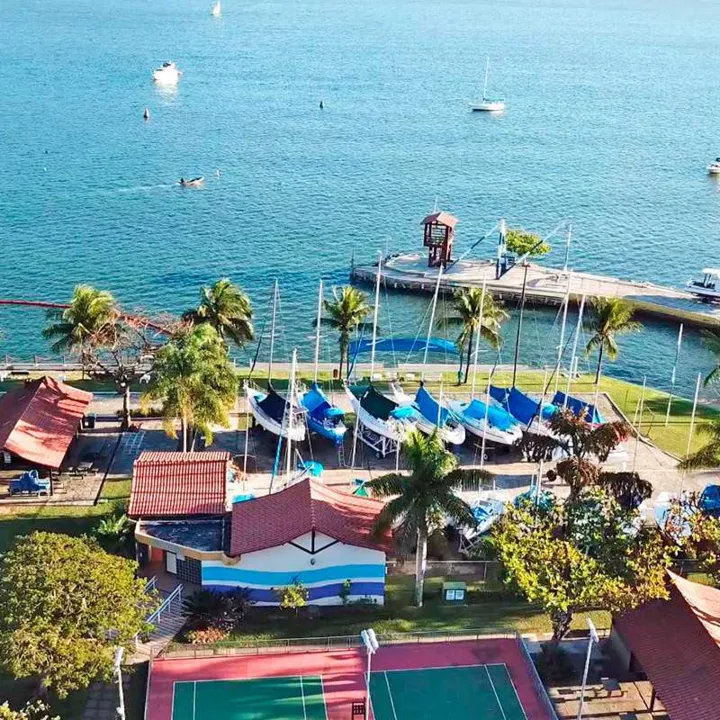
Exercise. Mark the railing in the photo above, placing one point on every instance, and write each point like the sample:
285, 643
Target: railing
537, 682
481, 570
151, 585
323, 644
176, 594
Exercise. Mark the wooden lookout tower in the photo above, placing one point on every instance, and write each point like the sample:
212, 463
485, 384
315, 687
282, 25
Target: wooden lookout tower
439, 233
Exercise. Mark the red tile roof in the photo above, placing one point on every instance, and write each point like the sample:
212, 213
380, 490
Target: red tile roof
677, 643
308, 505
442, 218
38, 421
171, 484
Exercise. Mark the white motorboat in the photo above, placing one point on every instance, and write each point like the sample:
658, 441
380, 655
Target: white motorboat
488, 104
491, 422
431, 414
707, 288
192, 183
168, 74
714, 167
269, 409
217, 10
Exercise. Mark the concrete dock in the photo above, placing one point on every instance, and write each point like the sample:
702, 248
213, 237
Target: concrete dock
545, 286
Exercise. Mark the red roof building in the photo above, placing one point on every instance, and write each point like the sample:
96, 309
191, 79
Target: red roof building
172, 484
676, 644
39, 420
306, 507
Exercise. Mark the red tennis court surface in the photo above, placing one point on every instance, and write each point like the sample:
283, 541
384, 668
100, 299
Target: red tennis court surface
342, 672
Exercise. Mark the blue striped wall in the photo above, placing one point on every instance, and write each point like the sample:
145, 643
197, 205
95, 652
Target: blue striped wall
223, 575
357, 590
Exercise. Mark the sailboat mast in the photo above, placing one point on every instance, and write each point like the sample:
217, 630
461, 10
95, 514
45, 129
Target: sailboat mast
574, 350
272, 329
487, 68
519, 327
289, 411
477, 339
562, 335
432, 317
375, 317
317, 330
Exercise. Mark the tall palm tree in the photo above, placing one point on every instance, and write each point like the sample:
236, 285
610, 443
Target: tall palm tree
707, 456
88, 323
611, 317
466, 304
345, 313
711, 340
424, 496
227, 308
196, 382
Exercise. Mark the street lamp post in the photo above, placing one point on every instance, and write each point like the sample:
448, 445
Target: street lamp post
371, 645
593, 639
117, 671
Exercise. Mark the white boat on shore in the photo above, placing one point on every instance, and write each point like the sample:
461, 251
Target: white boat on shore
270, 411
707, 289
487, 104
168, 74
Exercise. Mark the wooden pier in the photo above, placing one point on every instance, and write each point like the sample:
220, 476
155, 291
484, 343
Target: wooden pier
545, 286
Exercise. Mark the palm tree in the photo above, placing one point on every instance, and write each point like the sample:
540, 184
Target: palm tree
89, 322
227, 308
711, 339
424, 496
467, 304
707, 456
345, 313
196, 382
612, 317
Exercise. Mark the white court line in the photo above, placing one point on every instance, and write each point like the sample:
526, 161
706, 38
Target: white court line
322, 688
504, 665
438, 667
194, 698
492, 685
392, 704
302, 695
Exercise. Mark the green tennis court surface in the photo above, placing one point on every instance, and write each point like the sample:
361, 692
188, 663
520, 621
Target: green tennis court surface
460, 693
286, 698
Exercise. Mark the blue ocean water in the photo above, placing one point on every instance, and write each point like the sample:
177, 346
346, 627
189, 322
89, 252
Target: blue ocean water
611, 117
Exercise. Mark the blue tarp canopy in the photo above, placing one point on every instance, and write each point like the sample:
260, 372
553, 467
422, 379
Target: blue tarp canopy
577, 406
496, 416
315, 402
521, 406
430, 408
437, 345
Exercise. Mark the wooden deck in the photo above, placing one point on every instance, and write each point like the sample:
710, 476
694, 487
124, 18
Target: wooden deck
545, 286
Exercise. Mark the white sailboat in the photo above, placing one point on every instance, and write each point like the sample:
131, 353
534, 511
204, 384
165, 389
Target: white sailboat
217, 9
488, 104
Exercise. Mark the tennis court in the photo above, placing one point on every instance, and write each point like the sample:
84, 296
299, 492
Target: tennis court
463, 693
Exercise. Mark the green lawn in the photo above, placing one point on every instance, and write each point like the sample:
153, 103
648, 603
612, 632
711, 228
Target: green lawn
70, 520
485, 612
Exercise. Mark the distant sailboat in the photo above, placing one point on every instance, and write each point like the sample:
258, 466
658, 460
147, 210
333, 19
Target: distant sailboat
217, 10
488, 104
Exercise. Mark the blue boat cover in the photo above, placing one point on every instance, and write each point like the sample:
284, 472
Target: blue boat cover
438, 345
318, 406
710, 500
273, 405
403, 412
530, 497
521, 406
578, 406
497, 417
430, 408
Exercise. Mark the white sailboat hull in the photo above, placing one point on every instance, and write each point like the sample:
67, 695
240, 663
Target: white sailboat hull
479, 428
488, 106
297, 432
395, 430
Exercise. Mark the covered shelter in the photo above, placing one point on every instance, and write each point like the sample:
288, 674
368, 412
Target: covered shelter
675, 643
40, 420
438, 237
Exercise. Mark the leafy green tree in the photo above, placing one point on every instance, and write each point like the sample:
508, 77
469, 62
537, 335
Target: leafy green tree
293, 597
423, 499
227, 308
345, 313
587, 553
115, 534
32, 711
708, 456
66, 605
611, 317
711, 340
216, 609
87, 324
195, 381
466, 305
521, 242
